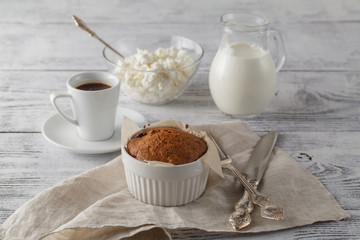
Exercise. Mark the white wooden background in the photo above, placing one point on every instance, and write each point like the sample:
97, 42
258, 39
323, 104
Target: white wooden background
316, 109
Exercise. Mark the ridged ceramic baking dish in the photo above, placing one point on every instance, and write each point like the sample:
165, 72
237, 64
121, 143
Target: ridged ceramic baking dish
164, 186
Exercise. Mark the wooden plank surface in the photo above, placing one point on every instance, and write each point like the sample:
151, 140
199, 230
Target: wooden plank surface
316, 108
59, 46
305, 101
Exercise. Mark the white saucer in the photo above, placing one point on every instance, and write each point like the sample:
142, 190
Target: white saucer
64, 134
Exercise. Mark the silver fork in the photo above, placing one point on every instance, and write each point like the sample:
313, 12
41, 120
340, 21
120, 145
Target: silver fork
268, 209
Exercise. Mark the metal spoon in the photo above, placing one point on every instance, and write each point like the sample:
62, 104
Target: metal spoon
81, 24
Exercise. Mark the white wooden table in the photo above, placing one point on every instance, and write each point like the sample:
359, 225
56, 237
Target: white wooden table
316, 109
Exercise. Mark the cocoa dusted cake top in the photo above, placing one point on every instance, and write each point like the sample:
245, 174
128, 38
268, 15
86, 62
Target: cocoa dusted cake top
166, 144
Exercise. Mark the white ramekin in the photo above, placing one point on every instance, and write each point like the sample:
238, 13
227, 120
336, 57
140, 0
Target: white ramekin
164, 186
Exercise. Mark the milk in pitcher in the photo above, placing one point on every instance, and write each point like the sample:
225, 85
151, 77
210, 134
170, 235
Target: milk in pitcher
242, 79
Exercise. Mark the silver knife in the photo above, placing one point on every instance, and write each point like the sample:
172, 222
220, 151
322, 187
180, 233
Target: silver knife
255, 169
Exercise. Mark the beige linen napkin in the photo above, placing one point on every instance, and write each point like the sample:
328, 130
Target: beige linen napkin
97, 204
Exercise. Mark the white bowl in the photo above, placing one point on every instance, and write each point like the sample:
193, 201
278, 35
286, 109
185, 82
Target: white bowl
164, 186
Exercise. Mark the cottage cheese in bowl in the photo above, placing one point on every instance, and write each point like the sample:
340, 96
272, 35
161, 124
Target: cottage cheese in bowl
155, 75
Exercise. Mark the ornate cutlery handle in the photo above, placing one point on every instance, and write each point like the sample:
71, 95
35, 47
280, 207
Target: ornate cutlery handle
244, 202
241, 218
268, 209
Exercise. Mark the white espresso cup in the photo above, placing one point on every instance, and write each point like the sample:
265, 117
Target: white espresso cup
94, 98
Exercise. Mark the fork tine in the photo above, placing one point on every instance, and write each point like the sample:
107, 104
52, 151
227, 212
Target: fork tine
221, 152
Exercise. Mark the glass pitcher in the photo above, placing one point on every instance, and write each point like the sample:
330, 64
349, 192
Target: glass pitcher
242, 76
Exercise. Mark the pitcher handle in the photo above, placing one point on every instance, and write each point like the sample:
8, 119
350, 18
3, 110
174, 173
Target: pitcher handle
280, 48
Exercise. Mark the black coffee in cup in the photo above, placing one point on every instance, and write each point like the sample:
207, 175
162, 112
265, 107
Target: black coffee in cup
94, 98
93, 86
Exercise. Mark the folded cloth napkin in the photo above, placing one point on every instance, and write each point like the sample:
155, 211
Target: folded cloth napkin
97, 204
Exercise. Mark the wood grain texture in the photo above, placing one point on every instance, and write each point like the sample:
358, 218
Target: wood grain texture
305, 101
40, 48
41, 35
316, 108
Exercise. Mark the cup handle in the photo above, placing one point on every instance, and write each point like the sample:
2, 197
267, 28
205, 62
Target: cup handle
53, 97
280, 48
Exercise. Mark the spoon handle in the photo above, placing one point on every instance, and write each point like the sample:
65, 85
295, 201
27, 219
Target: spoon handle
81, 24
107, 45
